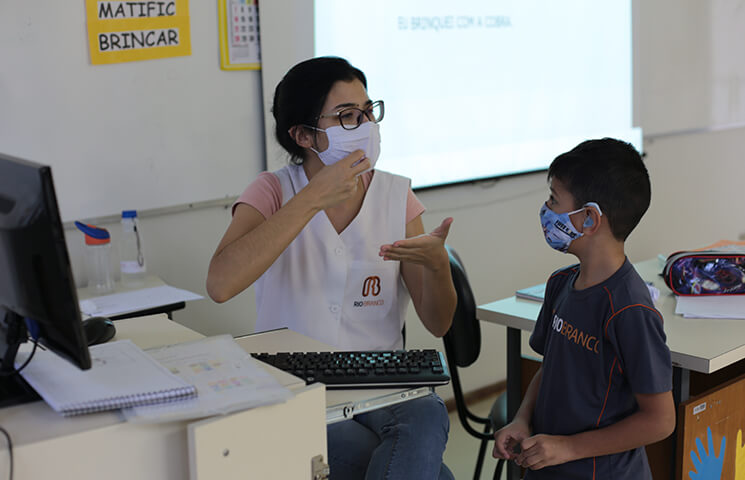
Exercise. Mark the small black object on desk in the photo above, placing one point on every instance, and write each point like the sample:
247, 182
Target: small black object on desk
98, 330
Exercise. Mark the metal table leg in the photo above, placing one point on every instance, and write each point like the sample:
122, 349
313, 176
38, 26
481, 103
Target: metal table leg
681, 384
514, 380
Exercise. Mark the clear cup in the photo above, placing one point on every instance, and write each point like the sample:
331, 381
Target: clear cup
97, 258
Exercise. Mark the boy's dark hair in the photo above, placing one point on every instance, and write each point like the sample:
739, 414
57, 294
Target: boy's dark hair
300, 95
611, 173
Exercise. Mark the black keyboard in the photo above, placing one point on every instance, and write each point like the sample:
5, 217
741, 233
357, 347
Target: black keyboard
374, 369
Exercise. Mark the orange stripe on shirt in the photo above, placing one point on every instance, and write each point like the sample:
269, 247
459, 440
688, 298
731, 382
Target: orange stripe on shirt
610, 299
557, 274
605, 330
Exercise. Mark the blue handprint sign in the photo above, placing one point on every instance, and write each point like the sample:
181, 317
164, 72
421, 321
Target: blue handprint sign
709, 467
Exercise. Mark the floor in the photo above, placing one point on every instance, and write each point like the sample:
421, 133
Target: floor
462, 448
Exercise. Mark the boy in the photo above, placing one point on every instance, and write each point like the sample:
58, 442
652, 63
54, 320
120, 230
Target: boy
604, 388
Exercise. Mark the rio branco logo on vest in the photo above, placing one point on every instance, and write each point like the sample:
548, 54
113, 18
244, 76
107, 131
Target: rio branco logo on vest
370, 288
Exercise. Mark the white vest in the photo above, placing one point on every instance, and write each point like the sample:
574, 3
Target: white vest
334, 287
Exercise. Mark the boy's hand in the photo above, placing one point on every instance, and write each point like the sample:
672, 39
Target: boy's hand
543, 451
508, 438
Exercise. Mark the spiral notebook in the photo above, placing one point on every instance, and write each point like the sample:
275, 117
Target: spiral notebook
122, 375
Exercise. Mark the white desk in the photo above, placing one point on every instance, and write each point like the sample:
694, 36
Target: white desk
148, 282
275, 441
696, 344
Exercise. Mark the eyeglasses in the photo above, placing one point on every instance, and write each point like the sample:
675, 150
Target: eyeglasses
352, 117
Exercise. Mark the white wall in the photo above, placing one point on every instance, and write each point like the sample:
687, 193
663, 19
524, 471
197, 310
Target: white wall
136, 135
696, 185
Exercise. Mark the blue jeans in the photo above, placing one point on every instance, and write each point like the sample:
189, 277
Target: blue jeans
402, 441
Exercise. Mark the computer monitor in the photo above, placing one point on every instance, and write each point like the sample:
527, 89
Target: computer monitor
37, 289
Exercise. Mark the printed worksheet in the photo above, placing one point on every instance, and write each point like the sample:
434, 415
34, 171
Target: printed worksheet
227, 378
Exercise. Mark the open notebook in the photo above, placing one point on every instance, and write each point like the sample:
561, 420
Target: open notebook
122, 375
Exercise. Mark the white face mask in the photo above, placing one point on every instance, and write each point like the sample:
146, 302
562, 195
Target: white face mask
342, 142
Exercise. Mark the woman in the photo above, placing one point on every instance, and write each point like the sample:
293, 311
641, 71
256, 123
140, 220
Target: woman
312, 234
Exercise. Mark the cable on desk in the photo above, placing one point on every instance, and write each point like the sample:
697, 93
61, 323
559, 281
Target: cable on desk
18, 370
10, 451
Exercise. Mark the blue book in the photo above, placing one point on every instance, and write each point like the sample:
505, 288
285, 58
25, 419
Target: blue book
534, 293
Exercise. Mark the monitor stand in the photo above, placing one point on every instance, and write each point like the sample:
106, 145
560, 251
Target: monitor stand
15, 391
13, 388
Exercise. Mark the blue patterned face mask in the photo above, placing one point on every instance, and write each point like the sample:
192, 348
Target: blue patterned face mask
558, 228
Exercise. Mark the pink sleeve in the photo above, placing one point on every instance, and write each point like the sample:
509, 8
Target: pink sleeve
264, 194
414, 207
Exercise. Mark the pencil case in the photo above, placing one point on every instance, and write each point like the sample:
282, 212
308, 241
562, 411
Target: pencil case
706, 272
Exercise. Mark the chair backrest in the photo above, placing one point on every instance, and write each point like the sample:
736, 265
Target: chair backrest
463, 340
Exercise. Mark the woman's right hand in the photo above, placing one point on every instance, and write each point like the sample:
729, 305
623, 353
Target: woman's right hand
333, 184
508, 438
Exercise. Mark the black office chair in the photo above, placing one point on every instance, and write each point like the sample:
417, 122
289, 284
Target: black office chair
462, 348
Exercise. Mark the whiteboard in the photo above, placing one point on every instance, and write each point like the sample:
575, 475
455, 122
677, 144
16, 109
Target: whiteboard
135, 135
689, 70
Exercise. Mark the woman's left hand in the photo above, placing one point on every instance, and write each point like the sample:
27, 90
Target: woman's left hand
426, 249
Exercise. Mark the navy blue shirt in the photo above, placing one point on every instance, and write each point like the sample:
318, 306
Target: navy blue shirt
600, 346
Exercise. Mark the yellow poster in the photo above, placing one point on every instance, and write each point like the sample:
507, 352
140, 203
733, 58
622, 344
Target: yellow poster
127, 31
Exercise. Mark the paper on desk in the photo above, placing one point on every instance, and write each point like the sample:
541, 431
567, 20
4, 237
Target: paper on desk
132, 301
227, 378
714, 306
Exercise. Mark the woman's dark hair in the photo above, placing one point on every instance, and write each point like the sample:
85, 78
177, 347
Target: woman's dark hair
301, 94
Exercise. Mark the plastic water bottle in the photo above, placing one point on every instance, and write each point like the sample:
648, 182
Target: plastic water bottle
131, 254
97, 258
